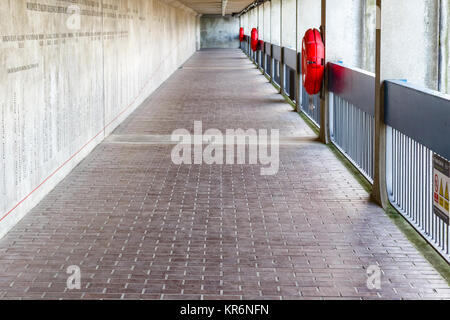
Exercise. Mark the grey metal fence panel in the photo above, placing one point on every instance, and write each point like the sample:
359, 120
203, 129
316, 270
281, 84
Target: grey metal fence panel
276, 71
353, 85
276, 52
268, 48
421, 114
310, 106
352, 109
268, 65
353, 132
415, 117
289, 82
290, 58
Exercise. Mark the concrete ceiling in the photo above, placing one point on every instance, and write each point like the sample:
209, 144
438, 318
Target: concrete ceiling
215, 6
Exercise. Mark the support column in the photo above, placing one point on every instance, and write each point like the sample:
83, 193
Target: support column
298, 70
281, 64
198, 32
240, 26
379, 191
324, 133
271, 42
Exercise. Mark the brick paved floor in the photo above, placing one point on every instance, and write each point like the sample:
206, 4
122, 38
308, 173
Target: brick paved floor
139, 226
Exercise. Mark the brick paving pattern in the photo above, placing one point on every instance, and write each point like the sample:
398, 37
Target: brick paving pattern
141, 227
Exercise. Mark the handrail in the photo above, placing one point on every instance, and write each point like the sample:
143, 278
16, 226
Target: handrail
354, 85
418, 124
268, 48
290, 58
421, 114
276, 52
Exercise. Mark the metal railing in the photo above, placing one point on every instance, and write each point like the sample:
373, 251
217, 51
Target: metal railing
417, 129
277, 61
268, 65
310, 106
276, 72
412, 140
351, 112
410, 145
289, 82
267, 49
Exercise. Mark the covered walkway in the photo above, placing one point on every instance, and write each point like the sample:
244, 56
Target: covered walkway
139, 226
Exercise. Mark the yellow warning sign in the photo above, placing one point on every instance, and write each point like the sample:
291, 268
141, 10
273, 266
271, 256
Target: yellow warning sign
446, 192
441, 180
446, 206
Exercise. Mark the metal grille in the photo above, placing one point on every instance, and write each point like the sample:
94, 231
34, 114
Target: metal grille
312, 111
276, 71
268, 65
289, 82
260, 59
410, 187
352, 131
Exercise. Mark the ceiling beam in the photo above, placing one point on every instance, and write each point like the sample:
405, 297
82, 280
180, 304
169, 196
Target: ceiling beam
224, 7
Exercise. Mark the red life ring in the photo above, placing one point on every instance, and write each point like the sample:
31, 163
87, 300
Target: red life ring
313, 61
241, 34
255, 41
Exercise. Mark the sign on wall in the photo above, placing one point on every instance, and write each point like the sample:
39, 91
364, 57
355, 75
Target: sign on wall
441, 185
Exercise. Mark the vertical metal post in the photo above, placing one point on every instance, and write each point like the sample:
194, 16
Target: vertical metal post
379, 191
298, 69
271, 41
263, 53
281, 63
324, 133
258, 53
240, 26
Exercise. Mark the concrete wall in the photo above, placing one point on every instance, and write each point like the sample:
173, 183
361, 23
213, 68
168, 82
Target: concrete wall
351, 29
219, 32
64, 86
267, 25
289, 15
309, 16
369, 21
345, 31
445, 47
275, 19
261, 22
410, 41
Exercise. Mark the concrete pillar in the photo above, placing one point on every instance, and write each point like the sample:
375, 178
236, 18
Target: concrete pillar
379, 192
324, 133
297, 73
198, 32
281, 63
